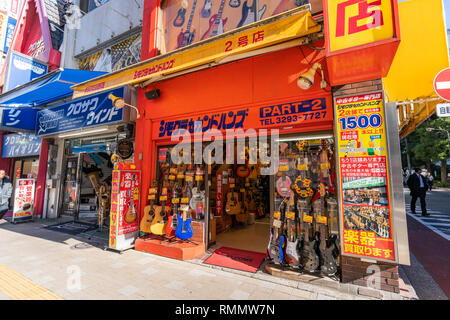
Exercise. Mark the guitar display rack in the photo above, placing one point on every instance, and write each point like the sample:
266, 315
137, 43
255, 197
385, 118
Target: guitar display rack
305, 177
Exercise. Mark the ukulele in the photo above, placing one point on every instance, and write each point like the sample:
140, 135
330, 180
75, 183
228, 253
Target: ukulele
130, 214
181, 15
158, 226
293, 241
206, 11
149, 211
310, 259
216, 23
249, 13
186, 37
277, 241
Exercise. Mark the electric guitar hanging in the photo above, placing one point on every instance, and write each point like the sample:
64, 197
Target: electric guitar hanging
277, 241
310, 259
216, 23
293, 241
249, 14
186, 37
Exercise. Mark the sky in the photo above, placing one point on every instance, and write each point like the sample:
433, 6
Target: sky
447, 12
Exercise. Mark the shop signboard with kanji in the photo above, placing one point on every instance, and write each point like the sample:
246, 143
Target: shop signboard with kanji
124, 214
366, 216
23, 200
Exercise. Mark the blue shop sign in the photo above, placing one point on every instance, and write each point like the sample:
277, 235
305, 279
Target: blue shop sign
18, 118
20, 145
22, 69
86, 112
10, 27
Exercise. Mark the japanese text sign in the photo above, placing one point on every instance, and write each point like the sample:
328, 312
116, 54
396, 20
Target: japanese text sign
363, 168
23, 200
352, 23
82, 113
20, 145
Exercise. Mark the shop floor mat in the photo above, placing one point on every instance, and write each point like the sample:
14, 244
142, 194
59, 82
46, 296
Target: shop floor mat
236, 259
72, 227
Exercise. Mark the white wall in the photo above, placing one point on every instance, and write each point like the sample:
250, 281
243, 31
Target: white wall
108, 22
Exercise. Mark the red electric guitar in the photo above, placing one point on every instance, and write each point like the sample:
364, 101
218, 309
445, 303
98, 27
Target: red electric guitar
216, 23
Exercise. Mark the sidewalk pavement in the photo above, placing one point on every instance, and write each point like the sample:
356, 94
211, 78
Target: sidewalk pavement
63, 266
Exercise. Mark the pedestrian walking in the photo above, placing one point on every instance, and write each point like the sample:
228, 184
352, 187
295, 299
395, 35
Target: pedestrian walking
418, 186
5, 193
430, 180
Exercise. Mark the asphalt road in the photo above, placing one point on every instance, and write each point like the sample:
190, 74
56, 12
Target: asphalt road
429, 241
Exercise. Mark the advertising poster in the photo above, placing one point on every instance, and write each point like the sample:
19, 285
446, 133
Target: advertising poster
124, 214
3, 27
362, 149
23, 200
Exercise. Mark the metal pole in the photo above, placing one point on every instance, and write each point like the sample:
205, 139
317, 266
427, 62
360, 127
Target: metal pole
407, 154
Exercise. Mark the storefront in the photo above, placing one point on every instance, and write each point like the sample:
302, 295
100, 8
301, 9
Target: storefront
286, 108
87, 133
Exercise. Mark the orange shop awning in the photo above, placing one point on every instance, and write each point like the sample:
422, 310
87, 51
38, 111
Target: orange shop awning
275, 33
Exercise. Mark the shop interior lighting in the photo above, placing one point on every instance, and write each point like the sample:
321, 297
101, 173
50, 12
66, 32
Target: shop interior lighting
297, 138
306, 80
119, 103
81, 133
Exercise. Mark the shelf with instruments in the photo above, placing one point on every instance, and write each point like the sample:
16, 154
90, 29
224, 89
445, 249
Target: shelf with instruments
304, 223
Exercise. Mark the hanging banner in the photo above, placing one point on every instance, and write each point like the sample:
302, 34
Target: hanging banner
219, 195
124, 214
10, 27
362, 160
23, 200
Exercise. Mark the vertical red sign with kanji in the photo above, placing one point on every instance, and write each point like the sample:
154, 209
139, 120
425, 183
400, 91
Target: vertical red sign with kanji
219, 195
128, 201
24, 200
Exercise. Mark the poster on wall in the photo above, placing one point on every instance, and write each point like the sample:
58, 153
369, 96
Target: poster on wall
23, 200
124, 214
186, 22
119, 56
366, 219
3, 28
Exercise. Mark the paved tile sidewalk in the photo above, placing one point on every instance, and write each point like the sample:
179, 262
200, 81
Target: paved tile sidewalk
53, 261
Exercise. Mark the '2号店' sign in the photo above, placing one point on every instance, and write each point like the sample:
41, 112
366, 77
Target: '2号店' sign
366, 216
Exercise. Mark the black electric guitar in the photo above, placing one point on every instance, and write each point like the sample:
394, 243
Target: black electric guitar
310, 259
186, 37
277, 240
251, 13
328, 264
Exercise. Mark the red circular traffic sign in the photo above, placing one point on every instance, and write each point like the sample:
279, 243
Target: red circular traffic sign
441, 84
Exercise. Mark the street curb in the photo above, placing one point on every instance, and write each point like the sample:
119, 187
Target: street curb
406, 288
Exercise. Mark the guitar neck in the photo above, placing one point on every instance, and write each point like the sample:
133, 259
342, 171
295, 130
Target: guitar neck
219, 14
188, 28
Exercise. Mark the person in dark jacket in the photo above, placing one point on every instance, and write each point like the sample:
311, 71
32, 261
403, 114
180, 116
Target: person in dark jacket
418, 186
5, 193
